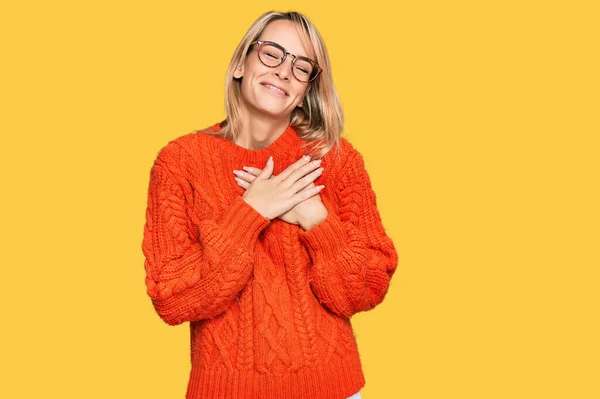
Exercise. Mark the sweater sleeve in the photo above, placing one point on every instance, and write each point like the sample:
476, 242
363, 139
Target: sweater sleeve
353, 258
190, 276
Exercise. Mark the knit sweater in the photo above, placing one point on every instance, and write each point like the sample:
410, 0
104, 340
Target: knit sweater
269, 304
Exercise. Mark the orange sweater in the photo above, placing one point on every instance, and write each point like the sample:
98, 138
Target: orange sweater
268, 303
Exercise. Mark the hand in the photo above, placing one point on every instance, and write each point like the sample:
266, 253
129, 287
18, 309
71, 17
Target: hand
307, 213
273, 196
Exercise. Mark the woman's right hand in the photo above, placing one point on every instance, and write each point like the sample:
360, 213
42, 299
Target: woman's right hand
272, 196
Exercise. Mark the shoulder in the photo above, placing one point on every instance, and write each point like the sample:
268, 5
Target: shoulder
347, 155
340, 160
179, 158
183, 153
173, 154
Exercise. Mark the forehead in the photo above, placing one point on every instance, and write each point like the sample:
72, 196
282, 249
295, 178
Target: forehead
284, 33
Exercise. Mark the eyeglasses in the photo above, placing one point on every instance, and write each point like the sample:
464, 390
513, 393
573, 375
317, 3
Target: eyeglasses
272, 55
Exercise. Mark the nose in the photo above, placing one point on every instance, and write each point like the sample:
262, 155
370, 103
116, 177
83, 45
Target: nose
284, 69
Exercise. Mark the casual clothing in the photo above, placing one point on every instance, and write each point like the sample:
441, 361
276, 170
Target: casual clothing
268, 303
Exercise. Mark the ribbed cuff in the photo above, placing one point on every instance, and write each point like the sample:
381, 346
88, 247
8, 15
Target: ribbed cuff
327, 239
242, 223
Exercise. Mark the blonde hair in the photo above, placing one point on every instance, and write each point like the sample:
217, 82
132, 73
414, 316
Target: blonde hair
320, 120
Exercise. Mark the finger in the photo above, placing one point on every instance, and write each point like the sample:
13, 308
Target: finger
301, 172
290, 169
306, 180
267, 170
242, 183
305, 194
244, 176
309, 187
250, 169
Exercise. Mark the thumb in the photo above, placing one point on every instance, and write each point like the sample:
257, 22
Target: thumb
267, 170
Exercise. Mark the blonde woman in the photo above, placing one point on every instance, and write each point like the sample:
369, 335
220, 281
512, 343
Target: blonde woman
262, 230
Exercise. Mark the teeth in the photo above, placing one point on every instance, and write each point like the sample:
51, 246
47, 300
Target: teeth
279, 90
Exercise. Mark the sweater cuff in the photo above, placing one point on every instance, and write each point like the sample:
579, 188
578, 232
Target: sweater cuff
242, 223
327, 239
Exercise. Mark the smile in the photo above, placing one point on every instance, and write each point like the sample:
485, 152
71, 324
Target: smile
274, 89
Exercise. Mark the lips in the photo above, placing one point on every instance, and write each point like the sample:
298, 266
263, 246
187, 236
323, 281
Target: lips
271, 84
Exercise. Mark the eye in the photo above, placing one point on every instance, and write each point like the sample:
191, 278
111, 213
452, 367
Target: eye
272, 55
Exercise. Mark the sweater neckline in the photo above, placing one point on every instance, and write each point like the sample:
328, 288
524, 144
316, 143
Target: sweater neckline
283, 146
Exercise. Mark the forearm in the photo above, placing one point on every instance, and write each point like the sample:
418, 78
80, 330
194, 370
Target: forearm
308, 223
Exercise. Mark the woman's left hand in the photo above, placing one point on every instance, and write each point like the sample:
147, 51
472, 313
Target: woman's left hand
306, 214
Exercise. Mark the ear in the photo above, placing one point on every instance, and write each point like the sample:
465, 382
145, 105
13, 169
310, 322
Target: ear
238, 72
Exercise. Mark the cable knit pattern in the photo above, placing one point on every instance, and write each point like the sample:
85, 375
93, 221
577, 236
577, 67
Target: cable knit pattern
268, 303
354, 259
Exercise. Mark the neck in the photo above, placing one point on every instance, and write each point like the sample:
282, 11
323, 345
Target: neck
259, 131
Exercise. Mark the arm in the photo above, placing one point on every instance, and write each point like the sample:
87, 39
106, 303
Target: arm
353, 258
190, 276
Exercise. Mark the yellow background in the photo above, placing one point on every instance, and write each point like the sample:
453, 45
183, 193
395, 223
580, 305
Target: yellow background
479, 125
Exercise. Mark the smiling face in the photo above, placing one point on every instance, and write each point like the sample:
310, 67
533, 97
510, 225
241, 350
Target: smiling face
257, 96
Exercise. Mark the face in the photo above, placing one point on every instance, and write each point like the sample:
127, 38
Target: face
256, 95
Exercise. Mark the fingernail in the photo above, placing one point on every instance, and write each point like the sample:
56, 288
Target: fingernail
306, 157
270, 161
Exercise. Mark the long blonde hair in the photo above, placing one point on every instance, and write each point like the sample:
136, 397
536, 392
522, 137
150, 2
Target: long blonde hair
320, 120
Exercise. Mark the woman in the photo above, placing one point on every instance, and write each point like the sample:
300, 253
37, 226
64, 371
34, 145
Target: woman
267, 266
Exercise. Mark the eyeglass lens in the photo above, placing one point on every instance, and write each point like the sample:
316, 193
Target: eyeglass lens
272, 55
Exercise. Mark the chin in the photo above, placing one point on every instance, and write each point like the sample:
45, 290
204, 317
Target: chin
271, 109
273, 114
